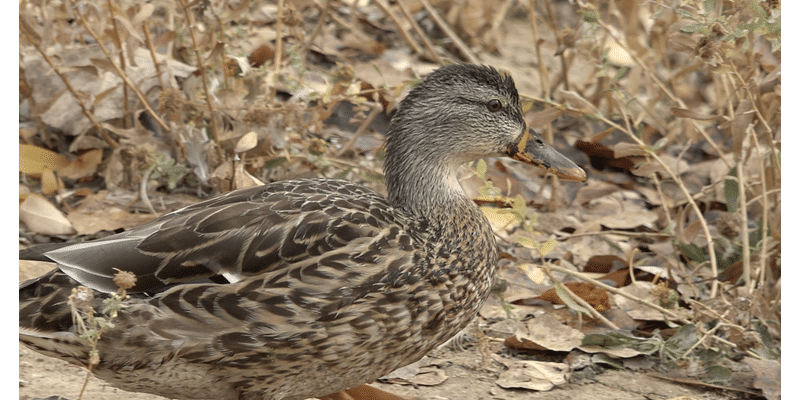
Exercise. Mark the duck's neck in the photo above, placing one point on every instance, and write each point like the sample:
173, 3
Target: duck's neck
423, 182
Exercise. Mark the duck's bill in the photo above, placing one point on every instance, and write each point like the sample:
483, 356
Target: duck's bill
531, 149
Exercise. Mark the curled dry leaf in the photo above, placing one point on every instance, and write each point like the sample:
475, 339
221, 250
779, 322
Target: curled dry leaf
83, 166
145, 11
246, 142
596, 297
243, 179
24, 192
222, 176
576, 100
623, 149
616, 353
619, 57
232, 175
645, 291
533, 375
546, 116
41, 216
650, 167
684, 113
545, 332
629, 220
50, 182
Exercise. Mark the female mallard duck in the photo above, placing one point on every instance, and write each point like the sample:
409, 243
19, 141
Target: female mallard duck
302, 288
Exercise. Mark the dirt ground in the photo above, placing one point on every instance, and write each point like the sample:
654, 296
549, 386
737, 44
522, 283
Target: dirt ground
41, 377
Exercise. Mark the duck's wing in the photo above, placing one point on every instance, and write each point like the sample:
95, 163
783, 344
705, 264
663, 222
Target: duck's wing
228, 238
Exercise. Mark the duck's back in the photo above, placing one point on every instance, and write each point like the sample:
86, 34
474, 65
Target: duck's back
278, 291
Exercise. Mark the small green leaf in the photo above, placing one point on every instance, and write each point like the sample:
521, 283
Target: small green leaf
481, 169
546, 247
488, 190
343, 173
776, 44
757, 8
605, 341
274, 162
731, 190
373, 176
718, 374
658, 14
591, 16
519, 208
605, 359
683, 13
683, 339
621, 72
757, 235
527, 242
692, 28
659, 144
623, 340
709, 6
692, 252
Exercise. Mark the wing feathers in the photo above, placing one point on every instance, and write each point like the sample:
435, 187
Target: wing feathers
238, 235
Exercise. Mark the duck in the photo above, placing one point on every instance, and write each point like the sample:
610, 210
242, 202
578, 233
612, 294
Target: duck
301, 288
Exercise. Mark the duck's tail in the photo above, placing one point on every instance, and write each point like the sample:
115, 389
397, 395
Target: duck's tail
45, 318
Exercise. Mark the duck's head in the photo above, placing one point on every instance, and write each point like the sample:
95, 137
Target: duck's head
460, 113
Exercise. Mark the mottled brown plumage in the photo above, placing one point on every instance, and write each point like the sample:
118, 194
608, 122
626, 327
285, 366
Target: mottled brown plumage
302, 288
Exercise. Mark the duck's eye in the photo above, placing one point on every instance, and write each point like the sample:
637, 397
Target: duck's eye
494, 105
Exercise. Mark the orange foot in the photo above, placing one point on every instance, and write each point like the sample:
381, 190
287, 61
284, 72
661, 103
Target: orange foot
361, 392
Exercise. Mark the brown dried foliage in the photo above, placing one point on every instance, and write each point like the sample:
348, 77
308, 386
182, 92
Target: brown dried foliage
675, 112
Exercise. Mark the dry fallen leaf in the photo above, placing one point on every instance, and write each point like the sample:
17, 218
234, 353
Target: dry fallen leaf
110, 220
636, 310
422, 372
647, 168
34, 160
41, 216
50, 182
768, 376
545, 332
629, 220
533, 375
624, 149
83, 166
246, 142
616, 353
243, 179
33, 269
596, 297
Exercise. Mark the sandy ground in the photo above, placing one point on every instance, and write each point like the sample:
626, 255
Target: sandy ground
467, 378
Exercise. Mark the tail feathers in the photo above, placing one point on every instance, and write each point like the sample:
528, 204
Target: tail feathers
44, 302
63, 345
36, 252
